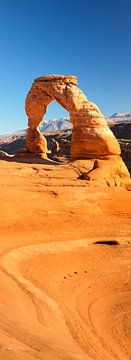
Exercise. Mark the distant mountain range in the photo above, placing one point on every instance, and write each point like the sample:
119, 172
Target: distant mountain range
120, 117
52, 125
63, 124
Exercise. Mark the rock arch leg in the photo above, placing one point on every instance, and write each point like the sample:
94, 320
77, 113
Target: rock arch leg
36, 104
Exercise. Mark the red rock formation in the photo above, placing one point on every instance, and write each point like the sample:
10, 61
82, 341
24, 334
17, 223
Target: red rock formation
91, 136
35, 141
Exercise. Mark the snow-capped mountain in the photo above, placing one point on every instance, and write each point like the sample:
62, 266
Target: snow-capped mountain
63, 124
55, 125
121, 117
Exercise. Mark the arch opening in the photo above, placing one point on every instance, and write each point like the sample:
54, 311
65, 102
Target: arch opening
56, 118
57, 128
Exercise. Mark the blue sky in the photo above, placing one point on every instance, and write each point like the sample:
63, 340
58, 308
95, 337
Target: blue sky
87, 38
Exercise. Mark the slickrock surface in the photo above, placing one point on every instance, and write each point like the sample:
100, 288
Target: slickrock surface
91, 136
65, 269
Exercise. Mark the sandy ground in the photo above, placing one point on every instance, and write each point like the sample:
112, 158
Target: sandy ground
64, 295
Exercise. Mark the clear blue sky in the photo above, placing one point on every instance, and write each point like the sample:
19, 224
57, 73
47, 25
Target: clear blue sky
87, 38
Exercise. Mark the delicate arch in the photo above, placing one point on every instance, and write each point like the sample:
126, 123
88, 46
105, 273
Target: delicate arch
91, 136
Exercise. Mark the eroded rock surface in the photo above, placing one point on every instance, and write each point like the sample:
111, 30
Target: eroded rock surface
91, 136
36, 142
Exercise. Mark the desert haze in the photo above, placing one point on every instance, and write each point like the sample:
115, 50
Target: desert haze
65, 238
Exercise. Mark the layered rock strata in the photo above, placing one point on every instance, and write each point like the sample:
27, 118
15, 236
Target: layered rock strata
91, 136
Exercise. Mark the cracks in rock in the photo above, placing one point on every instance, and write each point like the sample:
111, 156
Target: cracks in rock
84, 175
35, 169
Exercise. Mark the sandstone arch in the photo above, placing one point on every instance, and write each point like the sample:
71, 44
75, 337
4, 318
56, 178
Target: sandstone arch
91, 136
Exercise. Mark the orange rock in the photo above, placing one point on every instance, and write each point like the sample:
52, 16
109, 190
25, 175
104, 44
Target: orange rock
110, 171
36, 142
91, 136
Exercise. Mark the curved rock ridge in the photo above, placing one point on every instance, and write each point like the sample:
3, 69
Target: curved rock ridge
91, 136
67, 79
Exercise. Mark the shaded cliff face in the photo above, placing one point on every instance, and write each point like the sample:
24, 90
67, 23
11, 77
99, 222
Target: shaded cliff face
122, 131
126, 152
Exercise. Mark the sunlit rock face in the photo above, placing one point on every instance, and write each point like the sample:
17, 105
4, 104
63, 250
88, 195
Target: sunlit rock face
91, 136
35, 141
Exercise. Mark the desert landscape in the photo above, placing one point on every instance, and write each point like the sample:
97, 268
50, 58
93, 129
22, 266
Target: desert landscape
65, 265
65, 238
